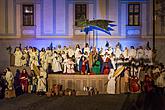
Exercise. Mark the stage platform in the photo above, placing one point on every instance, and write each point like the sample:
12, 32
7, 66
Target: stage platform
73, 81
78, 82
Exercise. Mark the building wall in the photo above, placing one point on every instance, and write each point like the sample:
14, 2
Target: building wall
55, 18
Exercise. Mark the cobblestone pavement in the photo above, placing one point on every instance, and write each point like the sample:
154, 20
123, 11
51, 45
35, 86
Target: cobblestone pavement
98, 102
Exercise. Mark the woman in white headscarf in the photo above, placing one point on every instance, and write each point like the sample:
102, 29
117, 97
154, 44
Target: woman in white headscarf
111, 83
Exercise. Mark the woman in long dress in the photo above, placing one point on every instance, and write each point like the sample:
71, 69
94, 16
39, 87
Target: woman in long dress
24, 80
111, 83
56, 66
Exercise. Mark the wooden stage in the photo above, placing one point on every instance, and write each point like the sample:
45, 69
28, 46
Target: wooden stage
78, 82
75, 81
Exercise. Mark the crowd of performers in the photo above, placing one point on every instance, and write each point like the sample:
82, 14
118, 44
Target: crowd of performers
138, 72
84, 60
136, 78
23, 82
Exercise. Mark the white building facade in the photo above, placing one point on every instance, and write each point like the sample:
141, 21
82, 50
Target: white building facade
57, 18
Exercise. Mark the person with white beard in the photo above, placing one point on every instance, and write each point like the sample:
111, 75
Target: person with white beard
18, 56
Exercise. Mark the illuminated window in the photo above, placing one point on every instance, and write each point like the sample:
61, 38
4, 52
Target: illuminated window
28, 15
134, 14
80, 13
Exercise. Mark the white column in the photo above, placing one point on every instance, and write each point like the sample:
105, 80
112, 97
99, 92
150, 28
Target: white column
144, 19
2, 16
11, 19
70, 19
60, 17
38, 19
18, 19
48, 16
123, 19
114, 15
91, 6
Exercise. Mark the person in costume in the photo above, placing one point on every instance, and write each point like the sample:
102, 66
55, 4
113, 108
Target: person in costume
117, 52
86, 49
2, 86
25, 57
140, 53
96, 67
56, 66
125, 53
70, 52
33, 82
132, 53
41, 86
111, 88
106, 64
83, 65
24, 81
42, 57
18, 56
9, 79
78, 54
17, 84
126, 80
70, 66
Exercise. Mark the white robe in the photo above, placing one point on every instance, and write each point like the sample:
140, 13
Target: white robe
42, 57
70, 66
117, 52
24, 61
56, 66
70, 52
111, 84
132, 53
78, 57
125, 53
87, 49
160, 81
41, 86
140, 53
10, 79
34, 59
18, 56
